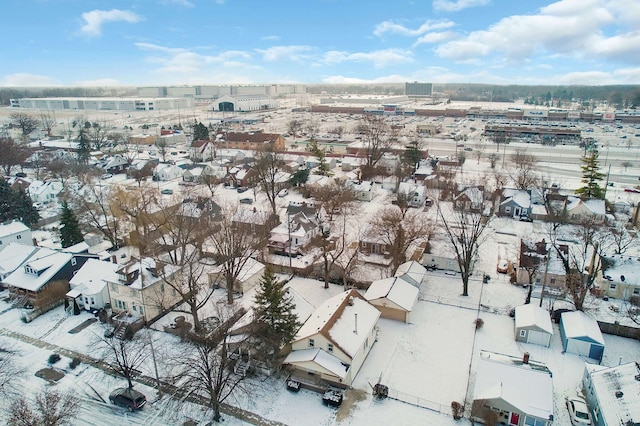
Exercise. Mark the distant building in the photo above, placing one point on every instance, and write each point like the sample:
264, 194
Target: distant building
244, 103
418, 89
102, 104
14, 231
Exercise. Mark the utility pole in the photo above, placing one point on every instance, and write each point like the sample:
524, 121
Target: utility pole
544, 278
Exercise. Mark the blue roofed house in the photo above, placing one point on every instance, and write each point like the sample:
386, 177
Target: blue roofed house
581, 335
514, 203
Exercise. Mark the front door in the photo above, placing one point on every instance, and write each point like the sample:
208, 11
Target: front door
514, 419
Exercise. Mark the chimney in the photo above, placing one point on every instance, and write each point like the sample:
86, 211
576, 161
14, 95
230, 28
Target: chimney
525, 358
355, 328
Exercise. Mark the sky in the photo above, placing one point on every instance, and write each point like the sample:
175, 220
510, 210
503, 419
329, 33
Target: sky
197, 42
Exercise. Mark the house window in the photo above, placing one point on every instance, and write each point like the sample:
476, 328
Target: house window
92, 301
330, 347
523, 333
636, 291
74, 261
530, 421
311, 343
612, 286
507, 209
552, 280
19, 237
141, 310
114, 287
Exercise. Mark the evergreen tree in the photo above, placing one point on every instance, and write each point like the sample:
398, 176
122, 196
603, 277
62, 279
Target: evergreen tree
275, 320
84, 146
299, 177
16, 205
323, 167
70, 228
591, 176
200, 132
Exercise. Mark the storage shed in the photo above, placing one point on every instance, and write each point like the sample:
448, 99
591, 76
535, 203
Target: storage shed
393, 297
581, 335
533, 325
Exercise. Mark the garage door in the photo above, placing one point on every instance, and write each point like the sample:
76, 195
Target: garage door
538, 338
390, 313
578, 347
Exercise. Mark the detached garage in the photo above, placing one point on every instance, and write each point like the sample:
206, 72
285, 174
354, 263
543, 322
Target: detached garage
581, 335
533, 325
393, 297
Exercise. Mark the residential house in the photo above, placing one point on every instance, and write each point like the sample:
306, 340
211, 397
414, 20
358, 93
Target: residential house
45, 191
613, 393
113, 164
141, 288
394, 297
620, 277
578, 210
295, 234
423, 170
256, 221
165, 172
89, 285
350, 163
215, 169
193, 174
580, 335
411, 271
334, 342
202, 150
469, 198
43, 279
253, 141
18, 183
540, 263
533, 325
512, 391
514, 203
415, 194
242, 176
232, 156
374, 248
14, 231
13, 256
250, 274
362, 189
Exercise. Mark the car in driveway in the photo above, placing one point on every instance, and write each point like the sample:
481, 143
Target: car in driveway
128, 398
503, 266
578, 411
525, 218
167, 191
283, 192
106, 176
246, 201
241, 189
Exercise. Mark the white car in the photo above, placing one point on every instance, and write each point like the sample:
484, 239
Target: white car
503, 266
578, 411
283, 193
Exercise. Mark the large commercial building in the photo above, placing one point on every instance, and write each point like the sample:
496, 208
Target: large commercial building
244, 103
102, 104
418, 89
214, 91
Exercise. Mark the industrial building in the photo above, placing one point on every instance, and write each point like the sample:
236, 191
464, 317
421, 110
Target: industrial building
102, 104
418, 89
209, 92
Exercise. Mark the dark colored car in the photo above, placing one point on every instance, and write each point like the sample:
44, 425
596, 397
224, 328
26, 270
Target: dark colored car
555, 316
246, 201
241, 189
21, 175
525, 218
128, 398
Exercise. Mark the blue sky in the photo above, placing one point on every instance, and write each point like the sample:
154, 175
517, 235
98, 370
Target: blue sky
164, 42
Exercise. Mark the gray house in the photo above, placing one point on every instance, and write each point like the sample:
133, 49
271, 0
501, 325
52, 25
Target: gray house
533, 325
514, 203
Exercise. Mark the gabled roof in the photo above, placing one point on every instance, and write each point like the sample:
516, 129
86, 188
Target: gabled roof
518, 196
578, 325
413, 271
46, 262
532, 316
11, 228
526, 388
336, 321
93, 274
396, 289
14, 255
320, 357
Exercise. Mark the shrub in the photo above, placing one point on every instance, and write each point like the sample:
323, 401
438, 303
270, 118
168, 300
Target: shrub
53, 358
479, 323
74, 363
457, 410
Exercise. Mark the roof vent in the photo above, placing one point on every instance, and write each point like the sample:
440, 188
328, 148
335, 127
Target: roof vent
619, 394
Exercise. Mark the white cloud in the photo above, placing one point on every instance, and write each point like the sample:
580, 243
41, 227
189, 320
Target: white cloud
27, 80
435, 37
286, 53
270, 38
457, 5
94, 20
100, 82
185, 3
379, 58
394, 28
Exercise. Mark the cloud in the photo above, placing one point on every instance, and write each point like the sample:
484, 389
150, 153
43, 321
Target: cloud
379, 58
100, 82
286, 53
572, 29
185, 3
27, 80
457, 5
94, 20
435, 37
270, 38
394, 28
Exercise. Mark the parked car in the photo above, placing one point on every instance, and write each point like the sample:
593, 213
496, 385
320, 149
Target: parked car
578, 411
246, 201
503, 266
128, 398
21, 175
634, 190
241, 189
283, 193
557, 313
106, 176
167, 191
525, 218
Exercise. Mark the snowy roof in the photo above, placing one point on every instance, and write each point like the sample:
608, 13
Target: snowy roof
80, 247
606, 381
336, 320
45, 262
93, 274
320, 357
397, 290
620, 266
473, 193
597, 206
578, 325
14, 255
519, 196
526, 388
13, 227
532, 316
412, 270
411, 188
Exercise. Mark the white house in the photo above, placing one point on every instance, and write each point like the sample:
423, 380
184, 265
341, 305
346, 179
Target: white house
415, 194
14, 232
166, 172
89, 285
363, 190
613, 393
14, 255
45, 192
621, 278
334, 342
247, 278
533, 325
394, 297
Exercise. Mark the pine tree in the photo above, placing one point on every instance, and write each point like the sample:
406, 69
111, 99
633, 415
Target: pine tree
84, 146
200, 132
591, 177
323, 167
70, 228
16, 205
276, 322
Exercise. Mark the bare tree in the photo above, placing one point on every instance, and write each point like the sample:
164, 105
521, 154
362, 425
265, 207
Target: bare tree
48, 122
525, 178
25, 122
335, 197
268, 168
377, 139
617, 237
479, 152
293, 127
50, 408
338, 131
124, 356
10, 371
60, 169
493, 160
141, 174
626, 165
522, 159
12, 154
98, 135
163, 147
465, 231
400, 232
